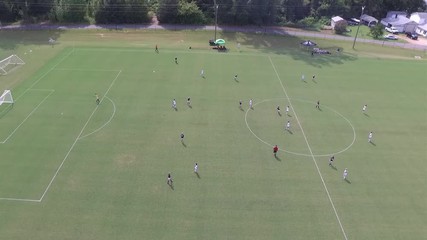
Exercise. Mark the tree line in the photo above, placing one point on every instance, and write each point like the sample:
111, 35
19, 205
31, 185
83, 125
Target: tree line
229, 12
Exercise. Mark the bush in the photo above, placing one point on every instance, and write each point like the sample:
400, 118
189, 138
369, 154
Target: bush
340, 27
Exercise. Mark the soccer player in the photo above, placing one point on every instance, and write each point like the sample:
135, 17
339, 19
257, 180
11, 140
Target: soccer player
364, 108
278, 110
176, 60
182, 137
250, 103
169, 181
235, 77
288, 126
370, 137
196, 168
275, 150
287, 110
97, 99
189, 102
345, 173
331, 160
303, 78
174, 104
318, 104
240, 104
156, 49
314, 77
202, 73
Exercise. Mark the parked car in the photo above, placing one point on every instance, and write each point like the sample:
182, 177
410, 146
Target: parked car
412, 36
392, 30
390, 37
352, 23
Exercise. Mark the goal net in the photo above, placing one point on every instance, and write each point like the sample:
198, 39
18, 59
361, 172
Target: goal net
6, 97
7, 64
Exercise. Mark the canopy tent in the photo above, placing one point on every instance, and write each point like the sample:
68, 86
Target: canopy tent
220, 42
308, 43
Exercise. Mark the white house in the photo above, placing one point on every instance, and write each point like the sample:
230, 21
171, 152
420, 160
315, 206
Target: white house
399, 21
422, 30
419, 17
335, 20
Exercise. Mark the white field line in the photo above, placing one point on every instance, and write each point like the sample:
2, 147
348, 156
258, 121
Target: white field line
105, 124
311, 152
23, 121
77, 138
42, 76
86, 69
20, 199
302, 154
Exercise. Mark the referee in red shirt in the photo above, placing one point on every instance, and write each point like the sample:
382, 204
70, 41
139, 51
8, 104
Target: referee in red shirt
275, 149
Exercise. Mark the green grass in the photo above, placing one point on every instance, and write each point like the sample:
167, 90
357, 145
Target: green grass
113, 158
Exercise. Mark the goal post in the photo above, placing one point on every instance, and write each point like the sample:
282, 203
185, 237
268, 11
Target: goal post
6, 97
7, 64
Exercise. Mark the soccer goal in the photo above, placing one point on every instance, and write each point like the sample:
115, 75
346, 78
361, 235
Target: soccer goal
6, 97
7, 64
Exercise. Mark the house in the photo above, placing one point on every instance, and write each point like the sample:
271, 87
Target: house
335, 20
395, 14
368, 20
419, 17
399, 21
422, 30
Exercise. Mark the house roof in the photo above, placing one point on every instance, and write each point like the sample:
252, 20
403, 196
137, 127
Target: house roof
397, 21
423, 27
421, 14
337, 18
422, 17
368, 18
394, 13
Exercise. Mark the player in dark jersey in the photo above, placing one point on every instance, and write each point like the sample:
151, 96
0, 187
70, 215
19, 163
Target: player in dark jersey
275, 150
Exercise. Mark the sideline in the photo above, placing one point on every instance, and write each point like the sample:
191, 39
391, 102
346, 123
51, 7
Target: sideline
271, 30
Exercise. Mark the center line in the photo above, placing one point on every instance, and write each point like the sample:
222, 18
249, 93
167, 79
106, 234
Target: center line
309, 148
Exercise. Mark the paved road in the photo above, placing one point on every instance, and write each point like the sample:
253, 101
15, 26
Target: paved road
261, 30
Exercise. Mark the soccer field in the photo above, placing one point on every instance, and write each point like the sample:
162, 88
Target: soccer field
72, 169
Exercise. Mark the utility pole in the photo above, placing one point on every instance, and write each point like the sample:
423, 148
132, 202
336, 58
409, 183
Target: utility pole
358, 26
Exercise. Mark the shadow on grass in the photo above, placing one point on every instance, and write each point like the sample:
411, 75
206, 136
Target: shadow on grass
281, 43
5, 110
348, 181
198, 175
12, 38
277, 158
373, 144
333, 167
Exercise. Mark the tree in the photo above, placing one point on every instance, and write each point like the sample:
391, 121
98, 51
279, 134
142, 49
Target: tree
377, 31
189, 13
340, 27
167, 11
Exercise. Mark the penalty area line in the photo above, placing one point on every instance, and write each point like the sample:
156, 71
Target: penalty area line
77, 139
311, 152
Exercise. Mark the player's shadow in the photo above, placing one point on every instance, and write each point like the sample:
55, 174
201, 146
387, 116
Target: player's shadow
289, 131
314, 80
237, 81
348, 181
183, 144
366, 114
241, 109
279, 114
319, 109
171, 186
190, 106
333, 167
176, 109
277, 158
198, 175
373, 144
